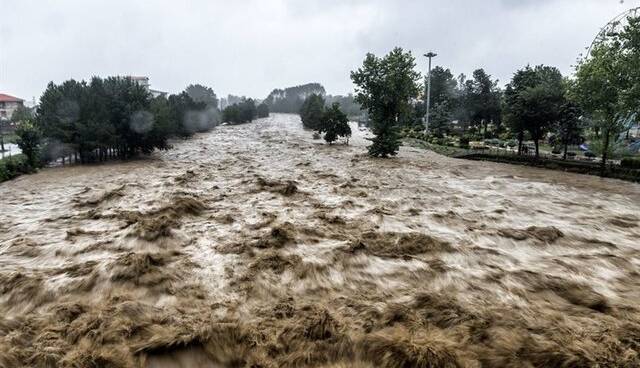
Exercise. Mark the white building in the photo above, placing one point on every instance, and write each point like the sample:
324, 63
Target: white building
144, 82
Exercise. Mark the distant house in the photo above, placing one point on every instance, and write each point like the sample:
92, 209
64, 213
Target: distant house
144, 82
9, 104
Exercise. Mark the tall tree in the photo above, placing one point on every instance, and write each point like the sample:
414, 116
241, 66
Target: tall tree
569, 125
312, 111
608, 84
443, 98
482, 100
385, 87
533, 100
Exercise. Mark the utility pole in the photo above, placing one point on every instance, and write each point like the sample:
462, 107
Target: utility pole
429, 55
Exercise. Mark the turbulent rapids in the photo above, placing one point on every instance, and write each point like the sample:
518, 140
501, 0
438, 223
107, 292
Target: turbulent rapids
255, 246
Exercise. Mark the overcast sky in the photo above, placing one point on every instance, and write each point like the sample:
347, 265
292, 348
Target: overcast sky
249, 47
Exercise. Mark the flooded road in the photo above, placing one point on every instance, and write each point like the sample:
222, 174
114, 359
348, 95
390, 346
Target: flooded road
255, 246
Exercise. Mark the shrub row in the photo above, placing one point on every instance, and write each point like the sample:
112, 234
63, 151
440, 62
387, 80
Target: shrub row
14, 166
630, 163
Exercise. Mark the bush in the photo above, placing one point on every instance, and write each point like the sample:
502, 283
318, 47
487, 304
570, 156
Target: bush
334, 123
14, 166
512, 143
29, 142
316, 135
589, 154
556, 151
630, 163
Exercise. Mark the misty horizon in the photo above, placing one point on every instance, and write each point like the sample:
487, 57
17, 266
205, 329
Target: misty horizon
250, 47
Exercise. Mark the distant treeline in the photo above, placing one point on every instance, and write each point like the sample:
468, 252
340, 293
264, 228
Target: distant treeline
244, 111
290, 100
117, 118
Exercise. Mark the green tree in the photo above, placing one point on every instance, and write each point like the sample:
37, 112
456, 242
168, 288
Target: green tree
262, 110
29, 142
238, 113
605, 82
481, 99
200, 93
569, 125
533, 100
443, 100
334, 124
312, 111
22, 113
105, 118
385, 87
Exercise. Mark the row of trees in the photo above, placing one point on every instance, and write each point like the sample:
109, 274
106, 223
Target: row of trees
330, 121
607, 84
539, 102
244, 111
290, 100
112, 118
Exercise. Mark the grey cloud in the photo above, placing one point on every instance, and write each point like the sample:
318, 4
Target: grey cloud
251, 46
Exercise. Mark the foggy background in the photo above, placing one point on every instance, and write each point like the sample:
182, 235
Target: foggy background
249, 47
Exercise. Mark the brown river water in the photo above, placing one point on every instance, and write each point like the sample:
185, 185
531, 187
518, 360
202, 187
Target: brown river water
256, 246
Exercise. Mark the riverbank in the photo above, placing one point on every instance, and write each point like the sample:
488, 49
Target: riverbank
550, 163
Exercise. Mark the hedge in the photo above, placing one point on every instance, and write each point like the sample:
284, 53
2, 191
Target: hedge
11, 167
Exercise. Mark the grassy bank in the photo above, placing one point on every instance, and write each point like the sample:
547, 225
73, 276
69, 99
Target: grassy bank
581, 167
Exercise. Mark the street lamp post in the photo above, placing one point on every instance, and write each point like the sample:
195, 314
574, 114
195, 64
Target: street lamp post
429, 55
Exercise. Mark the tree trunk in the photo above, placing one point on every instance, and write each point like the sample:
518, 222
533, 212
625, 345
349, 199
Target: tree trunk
536, 142
566, 148
603, 164
520, 139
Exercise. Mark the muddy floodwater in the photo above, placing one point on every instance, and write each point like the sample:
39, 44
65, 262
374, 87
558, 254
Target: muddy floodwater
256, 246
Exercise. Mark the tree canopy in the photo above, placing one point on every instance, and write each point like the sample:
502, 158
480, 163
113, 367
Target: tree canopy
113, 117
311, 111
533, 101
334, 123
385, 87
239, 113
607, 84
200, 93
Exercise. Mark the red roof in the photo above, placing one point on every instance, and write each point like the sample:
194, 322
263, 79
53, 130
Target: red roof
8, 98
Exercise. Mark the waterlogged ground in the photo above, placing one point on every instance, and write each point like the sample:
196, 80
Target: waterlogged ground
255, 246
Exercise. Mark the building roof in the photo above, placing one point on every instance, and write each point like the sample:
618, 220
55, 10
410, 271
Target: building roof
9, 98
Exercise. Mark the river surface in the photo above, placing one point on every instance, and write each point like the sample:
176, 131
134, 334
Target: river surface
256, 246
